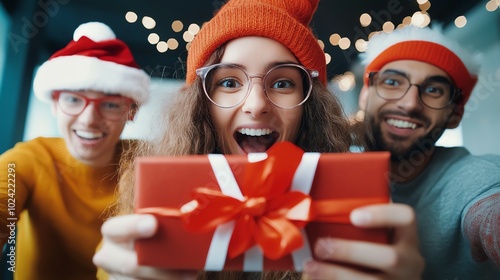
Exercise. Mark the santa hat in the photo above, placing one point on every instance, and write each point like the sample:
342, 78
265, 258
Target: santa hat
94, 60
428, 45
286, 21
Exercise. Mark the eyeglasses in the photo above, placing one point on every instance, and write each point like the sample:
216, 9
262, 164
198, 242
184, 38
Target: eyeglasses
286, 85
435, 93
109, 107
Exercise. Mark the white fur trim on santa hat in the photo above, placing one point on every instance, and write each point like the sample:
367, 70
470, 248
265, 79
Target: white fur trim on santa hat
79, 72
382, 41
96, 31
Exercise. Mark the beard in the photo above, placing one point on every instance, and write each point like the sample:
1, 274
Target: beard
423, 146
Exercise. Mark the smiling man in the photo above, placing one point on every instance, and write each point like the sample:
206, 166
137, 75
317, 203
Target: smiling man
57, 189
417, 82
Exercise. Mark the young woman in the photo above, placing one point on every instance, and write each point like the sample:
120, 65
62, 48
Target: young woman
256, 75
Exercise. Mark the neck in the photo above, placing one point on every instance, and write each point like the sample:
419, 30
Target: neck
406, 169
101, 161
104, 159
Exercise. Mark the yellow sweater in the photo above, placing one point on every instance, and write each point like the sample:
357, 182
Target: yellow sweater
60, 205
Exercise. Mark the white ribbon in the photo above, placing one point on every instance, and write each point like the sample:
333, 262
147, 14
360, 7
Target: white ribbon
217, 252
253, 258
302, 182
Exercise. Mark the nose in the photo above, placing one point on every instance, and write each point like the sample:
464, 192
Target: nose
256, 102
411, 100
89, 114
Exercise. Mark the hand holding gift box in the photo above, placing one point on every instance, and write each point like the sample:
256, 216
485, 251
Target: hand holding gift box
232, 212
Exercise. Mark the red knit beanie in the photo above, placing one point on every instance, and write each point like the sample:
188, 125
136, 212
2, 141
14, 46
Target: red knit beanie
425, 45
286, 21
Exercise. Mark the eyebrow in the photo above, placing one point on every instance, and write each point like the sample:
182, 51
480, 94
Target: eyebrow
267, 66
439, 78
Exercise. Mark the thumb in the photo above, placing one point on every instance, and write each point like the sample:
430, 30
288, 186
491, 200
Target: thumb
129, 227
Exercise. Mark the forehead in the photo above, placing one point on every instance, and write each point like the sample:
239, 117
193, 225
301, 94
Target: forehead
254, 50
415, 69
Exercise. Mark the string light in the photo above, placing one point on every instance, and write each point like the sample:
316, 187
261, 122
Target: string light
417, 19
162, 46
460, 21
334, 39
365, 20
148, 22
187, 36
328, 58
425, 6
344, 43
131, 17
345, 82
172, 44
321, 44
361, 45
177, 26
194, 28
492, 5
388, 27
153, 38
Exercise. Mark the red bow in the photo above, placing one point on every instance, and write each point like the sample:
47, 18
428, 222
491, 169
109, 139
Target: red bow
270, 216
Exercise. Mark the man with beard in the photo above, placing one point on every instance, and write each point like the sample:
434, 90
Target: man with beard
416, 84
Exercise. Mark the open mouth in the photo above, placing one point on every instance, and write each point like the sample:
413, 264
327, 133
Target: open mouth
252, 140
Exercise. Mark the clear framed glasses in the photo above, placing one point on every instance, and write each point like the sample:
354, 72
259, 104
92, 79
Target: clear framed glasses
109, 107
285, 85
435, 92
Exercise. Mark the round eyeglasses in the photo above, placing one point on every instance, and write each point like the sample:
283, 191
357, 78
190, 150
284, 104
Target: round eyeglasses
109, 107
435, 92
285, 85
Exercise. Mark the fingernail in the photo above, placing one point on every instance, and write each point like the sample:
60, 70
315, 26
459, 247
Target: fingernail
310, 266
146, 225
361, 217
324, 248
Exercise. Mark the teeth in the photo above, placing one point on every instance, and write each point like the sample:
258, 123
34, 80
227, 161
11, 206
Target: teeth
255, 132
88, 134
401, 124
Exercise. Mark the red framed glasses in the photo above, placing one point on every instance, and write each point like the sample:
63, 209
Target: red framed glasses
109, 107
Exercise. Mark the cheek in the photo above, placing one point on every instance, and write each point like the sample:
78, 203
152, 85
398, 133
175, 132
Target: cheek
373, 103
63, 121
221, 118
291, 121
114, 128
442, 117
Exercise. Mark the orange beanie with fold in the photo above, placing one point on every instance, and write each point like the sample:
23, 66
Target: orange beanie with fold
286, 21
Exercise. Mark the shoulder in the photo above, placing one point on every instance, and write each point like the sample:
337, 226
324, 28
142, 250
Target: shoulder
37, 146
459, 171
35, 155
459, 157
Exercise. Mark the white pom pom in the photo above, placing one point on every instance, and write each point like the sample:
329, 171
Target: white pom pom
96, 31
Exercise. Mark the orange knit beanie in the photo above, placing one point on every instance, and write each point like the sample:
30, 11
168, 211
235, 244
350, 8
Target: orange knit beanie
286, 21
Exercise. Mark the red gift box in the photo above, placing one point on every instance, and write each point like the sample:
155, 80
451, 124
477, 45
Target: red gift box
261, 212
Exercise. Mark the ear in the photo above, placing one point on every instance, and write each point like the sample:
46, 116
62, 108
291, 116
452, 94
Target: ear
363, 98
132, 112
456, 117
